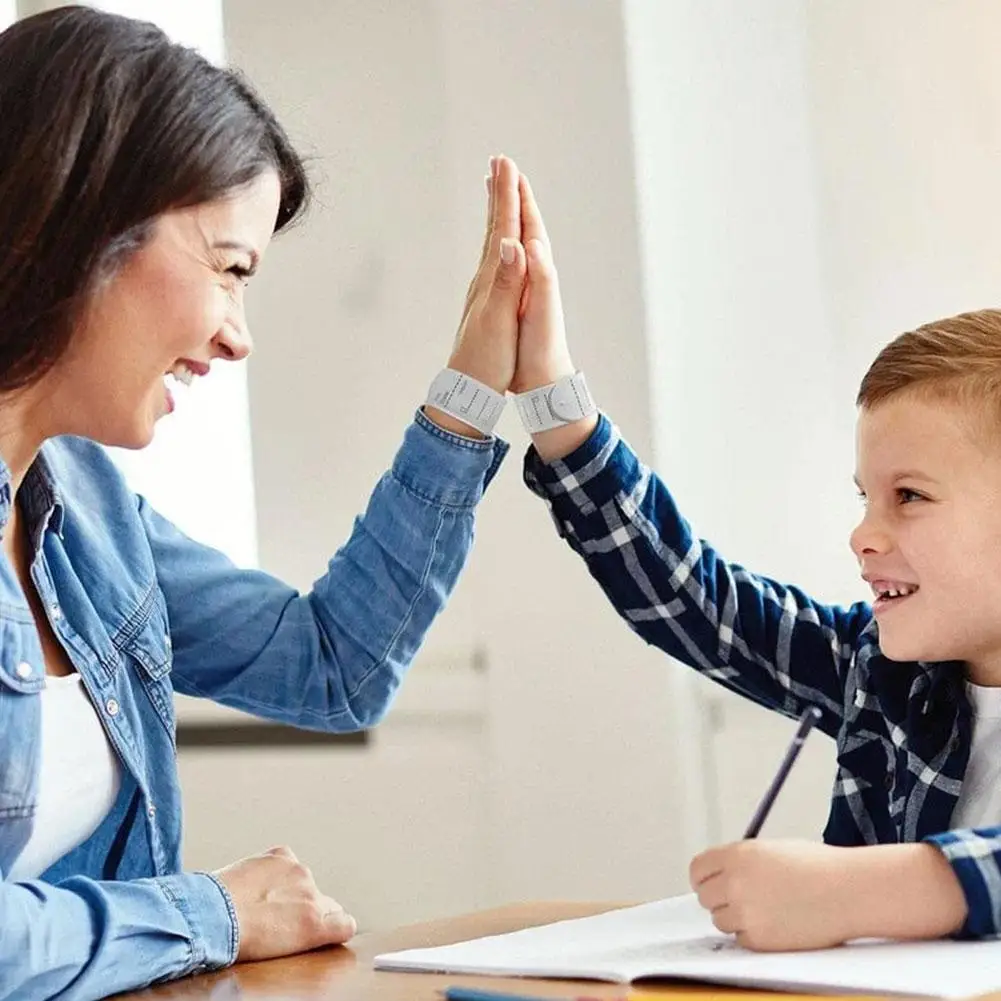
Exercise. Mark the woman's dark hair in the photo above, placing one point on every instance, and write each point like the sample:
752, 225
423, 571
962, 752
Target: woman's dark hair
104, 125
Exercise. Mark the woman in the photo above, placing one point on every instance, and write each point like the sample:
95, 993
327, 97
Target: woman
139, 188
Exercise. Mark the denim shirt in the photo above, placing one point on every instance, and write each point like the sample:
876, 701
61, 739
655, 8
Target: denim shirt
142, 611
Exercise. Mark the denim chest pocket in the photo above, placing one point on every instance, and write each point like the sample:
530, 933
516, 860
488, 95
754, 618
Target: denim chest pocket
147, 650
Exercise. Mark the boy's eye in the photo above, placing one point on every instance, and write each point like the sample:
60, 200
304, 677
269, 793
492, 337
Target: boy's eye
861, 496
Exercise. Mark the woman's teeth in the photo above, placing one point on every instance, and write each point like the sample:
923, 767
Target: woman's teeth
182, 373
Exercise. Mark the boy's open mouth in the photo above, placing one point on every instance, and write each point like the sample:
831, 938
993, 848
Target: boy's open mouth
891, 592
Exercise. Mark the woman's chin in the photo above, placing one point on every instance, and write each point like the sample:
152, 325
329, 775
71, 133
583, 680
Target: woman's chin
133, 437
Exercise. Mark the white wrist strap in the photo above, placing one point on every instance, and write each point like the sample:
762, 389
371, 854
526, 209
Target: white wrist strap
556, 405
464, 397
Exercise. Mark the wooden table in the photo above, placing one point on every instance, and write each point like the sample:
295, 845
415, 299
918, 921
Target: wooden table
346, 974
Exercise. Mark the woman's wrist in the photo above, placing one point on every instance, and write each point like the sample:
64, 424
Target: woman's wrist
449, 423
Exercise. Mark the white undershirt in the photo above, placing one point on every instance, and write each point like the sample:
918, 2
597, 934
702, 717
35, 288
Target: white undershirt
980, 799
78, 780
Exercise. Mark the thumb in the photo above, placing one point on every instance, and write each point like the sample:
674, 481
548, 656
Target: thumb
337, 926
509, 273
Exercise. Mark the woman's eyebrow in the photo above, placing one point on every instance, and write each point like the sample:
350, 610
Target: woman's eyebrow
237, 245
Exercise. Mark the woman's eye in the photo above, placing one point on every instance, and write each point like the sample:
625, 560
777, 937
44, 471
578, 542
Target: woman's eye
239, 272
906, 496
860, 494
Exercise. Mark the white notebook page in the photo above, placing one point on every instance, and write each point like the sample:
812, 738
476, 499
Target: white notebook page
675, 938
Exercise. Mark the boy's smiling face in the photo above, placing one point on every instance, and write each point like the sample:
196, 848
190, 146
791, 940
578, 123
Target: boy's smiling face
930, 540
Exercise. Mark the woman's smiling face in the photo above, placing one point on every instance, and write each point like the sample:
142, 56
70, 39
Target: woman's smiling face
175, 306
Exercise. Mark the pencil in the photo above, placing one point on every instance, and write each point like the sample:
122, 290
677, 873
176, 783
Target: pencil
811, 716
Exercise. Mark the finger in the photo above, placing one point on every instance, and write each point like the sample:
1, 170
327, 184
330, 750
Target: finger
508, 278
506, 221
335, 925
534, 292
541, 271
283, 851
541, 305
490, 182
756, 942
532, 226
339, 927
505, 224
712, 892
725, 919
704, 866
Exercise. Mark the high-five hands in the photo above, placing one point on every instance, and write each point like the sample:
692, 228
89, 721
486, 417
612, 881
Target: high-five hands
512, 336
486, 346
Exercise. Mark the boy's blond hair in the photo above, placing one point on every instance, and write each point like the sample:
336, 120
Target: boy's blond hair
956, 359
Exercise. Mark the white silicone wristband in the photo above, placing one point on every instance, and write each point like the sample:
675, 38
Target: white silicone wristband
469, 400
560, 403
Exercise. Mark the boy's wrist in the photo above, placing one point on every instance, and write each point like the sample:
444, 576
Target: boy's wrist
904, 891
560, 442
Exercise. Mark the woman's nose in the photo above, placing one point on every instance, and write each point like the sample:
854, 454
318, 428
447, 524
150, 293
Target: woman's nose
233, 342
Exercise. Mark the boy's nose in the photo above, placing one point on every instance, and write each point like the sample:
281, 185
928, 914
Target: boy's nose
869, 537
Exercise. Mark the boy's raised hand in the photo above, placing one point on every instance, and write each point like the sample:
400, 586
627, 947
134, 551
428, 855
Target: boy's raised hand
785, 895
543, 353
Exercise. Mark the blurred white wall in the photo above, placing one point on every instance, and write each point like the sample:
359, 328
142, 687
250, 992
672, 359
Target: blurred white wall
906, 99
8, 13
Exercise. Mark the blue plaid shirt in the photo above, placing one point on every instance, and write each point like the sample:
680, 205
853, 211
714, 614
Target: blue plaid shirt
903, 730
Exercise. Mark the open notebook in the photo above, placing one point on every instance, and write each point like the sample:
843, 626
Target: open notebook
675, 938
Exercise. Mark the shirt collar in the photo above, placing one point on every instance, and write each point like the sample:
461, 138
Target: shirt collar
40, 500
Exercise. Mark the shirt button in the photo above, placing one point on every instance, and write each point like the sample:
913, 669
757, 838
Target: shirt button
888, 781
24, 670
152, 810
166, 640
57, 613
112, 706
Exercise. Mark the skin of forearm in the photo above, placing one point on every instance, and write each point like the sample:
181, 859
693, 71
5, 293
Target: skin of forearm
902, 892
561, 441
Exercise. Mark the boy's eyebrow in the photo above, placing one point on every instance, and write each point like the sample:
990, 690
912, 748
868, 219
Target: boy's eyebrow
913, 474
904, 474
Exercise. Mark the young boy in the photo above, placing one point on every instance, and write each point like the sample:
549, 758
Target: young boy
909, 686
